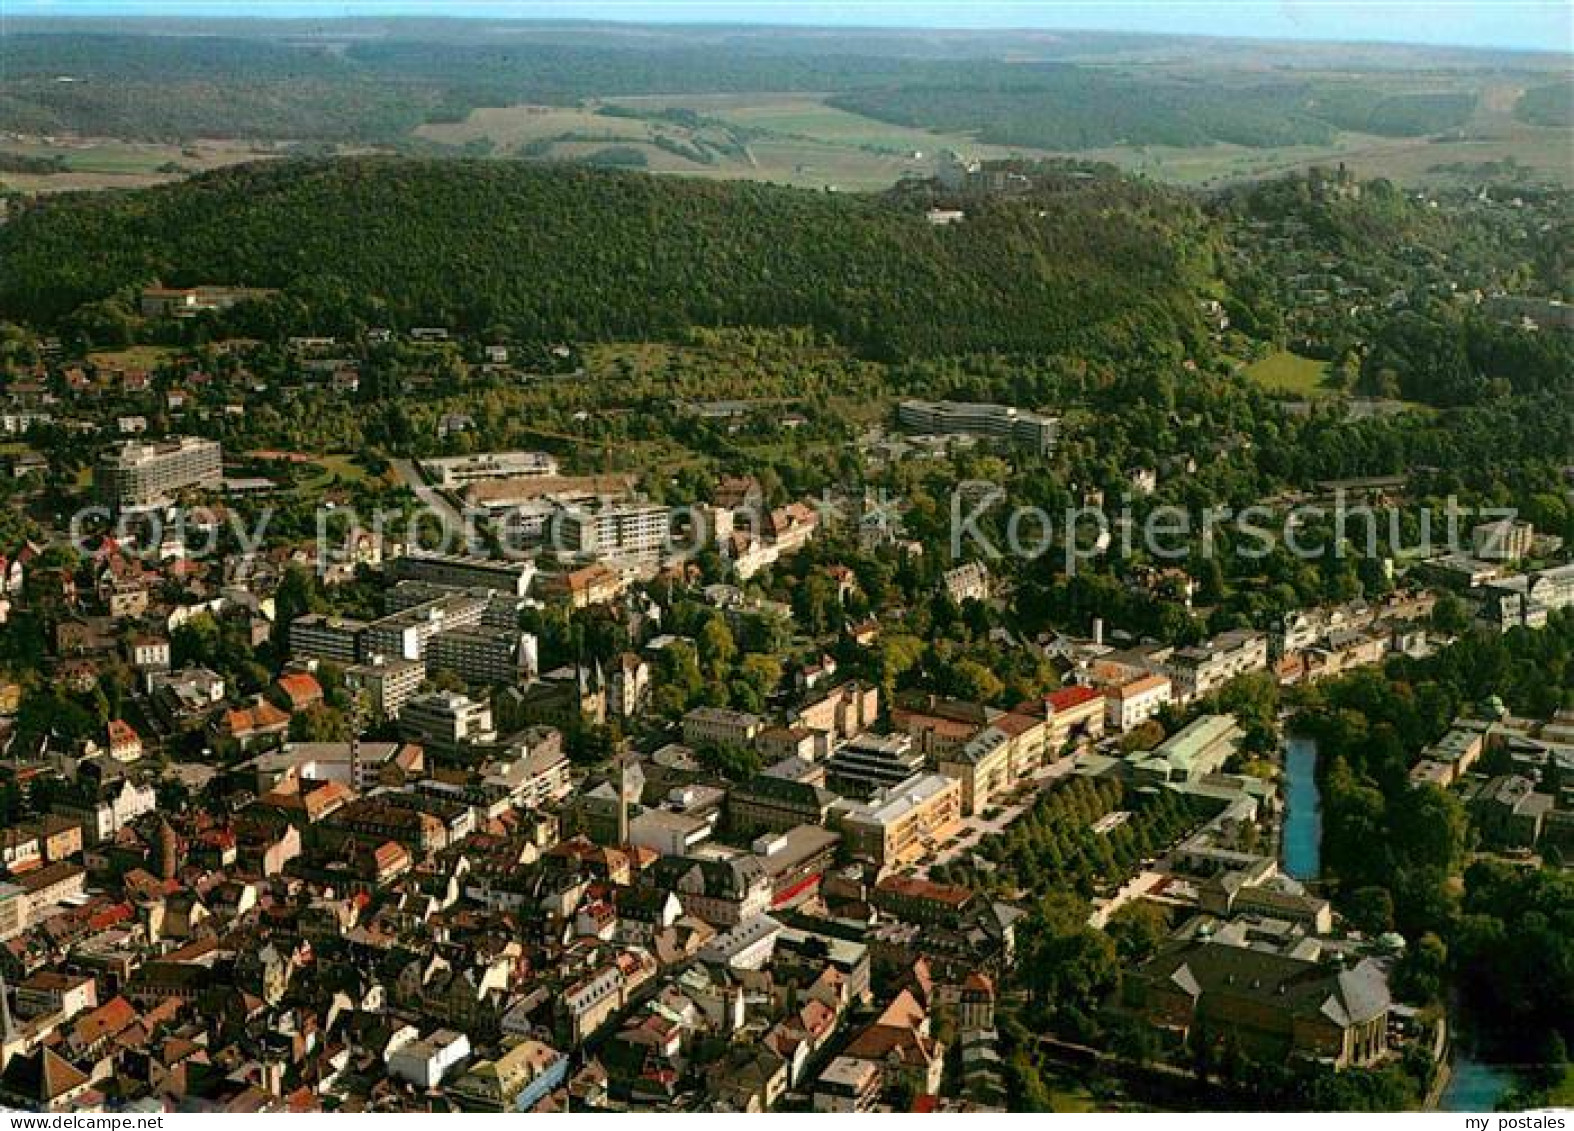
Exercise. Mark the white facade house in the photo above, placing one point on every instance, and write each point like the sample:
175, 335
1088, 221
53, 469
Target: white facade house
424, 1062
1132, 704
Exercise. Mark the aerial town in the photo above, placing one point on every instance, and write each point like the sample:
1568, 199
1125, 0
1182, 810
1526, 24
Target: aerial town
549, 820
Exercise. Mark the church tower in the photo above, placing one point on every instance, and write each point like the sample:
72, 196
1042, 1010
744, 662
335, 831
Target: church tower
168, 851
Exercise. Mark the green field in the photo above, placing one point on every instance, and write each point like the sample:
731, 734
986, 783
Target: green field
1285, 372
342, 467
798, 139
133, 357
94, 163
788, 139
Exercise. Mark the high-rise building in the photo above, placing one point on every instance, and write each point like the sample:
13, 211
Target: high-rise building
621, 530
137, 475
407, 633
323, 637
1026, 429
483, 655
388, 684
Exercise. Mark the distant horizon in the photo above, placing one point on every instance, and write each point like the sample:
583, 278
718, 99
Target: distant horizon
1535, 26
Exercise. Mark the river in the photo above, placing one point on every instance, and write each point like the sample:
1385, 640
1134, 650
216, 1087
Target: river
1474, 1086
1302, 849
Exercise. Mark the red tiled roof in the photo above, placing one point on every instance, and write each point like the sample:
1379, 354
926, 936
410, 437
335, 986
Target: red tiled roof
1068, 698
121, 732
1016, 723
105, 1021
58, 1076
248, 720
300, 688
914, 888
1139, 686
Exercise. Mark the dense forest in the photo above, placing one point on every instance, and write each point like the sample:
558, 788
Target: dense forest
178, 87
379, 88
1064, 107
152, 86
1106, 267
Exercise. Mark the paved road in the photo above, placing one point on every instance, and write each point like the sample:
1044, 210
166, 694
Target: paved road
979, 827
452, 520
1129, 891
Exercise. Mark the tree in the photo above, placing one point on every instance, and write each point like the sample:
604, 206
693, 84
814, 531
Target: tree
816, 603
1370, 909
321, 723
972, 680
296, 596
1450, 615
761, 673
1421, 975
716, 647
679, 681
1139, 929
735, 763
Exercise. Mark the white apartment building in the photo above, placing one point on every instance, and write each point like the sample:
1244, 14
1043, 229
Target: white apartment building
387, 684
1202, 670
994, 421
426, 1061
1503, 541
112, 811
1133, 703
627, 530
451, 472
407, 634
447, 719
967, 582
136, 475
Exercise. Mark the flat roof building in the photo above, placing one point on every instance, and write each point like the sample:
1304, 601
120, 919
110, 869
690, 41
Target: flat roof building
324, 637
995, 421
461, 471
902, 824
137, 475
406, 634
1197, 750
461, 571
871, 762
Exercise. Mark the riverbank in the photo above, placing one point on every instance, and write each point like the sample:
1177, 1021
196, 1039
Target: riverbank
1473, 1086
1301, 841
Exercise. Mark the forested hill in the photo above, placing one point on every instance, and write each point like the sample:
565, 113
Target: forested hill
1099, 265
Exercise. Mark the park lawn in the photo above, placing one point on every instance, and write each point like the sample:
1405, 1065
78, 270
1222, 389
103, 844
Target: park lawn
1286, 372
132, 357
344, 467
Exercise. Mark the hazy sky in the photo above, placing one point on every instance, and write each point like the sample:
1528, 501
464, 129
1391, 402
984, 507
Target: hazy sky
1539, 24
